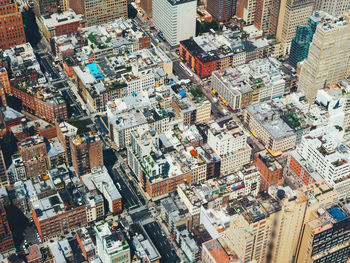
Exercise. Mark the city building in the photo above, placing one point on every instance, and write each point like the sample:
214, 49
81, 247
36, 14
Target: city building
221, 11
96, 12
5, 83
146, 6
86, 153
59, 24
262, 15
332, 221
217, 251
209, 52
45, 7
11, 25
95, 209
329, 56
259, 81
34, 155
325, 158
111, 244
57, 213
7, 245
4, 180
270, 169
145, 249
246, 10
29, 84
65, 132
291, 14
268, 231
332, 7
276, 133
34, 127
85, 243
99, 179
303, 38
176, 19
35, 255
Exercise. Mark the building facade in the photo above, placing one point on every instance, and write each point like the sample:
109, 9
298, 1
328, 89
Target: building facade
98, 12
7, 245
176, 19
11, 25
86, 153
222, 10
329, 57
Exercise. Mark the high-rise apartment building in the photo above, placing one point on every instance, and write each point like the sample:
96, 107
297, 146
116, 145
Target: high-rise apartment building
7, 244
291, 14
100, 11
303, 38
4, 180
86, 153
176, 19
332, 7
45, 7
221, 10
11, 25
262, 17
274, 15
269, 230
329, 56
246, 10
325, 237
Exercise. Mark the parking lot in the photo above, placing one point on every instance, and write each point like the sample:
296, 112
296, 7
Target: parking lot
161, 242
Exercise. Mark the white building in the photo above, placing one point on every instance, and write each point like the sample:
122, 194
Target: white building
111, 244
230, 143
138, 80
176, 19
327, 156
100, 179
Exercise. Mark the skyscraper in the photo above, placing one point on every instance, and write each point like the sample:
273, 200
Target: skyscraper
325, 237
221, 10
246, 10
11, 25
263, 14
303, 38
176, 19
291, 14
329, 56
86, 153
333, 7
269, 230
100, 11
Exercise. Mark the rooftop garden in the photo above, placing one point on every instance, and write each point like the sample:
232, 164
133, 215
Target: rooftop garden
196, 92
82, 128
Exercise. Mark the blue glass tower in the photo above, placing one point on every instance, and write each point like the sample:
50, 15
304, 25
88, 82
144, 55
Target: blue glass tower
303, 38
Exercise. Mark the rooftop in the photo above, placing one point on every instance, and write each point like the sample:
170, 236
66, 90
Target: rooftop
59, 19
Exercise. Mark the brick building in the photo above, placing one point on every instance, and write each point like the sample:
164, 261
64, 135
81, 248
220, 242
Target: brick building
60, 24
48, 109
11, 25
270, 170
58, 213
86, 151
6, 240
